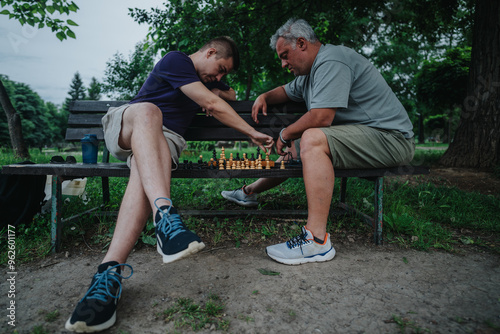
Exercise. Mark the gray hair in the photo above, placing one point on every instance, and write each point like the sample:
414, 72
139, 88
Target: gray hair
292, 30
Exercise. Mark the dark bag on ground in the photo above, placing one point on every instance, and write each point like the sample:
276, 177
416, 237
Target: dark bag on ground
21, 197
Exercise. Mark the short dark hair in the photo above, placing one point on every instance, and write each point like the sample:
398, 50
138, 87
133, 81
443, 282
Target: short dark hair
226, 48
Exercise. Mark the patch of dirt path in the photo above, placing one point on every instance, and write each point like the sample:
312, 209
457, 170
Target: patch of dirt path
364, 289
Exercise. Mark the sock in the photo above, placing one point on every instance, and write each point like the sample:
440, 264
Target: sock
319, 241
103, 266
245, 192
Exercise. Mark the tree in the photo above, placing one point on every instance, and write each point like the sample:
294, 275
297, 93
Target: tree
39, 120
76, 91
183, 22
124, 78
38, 13
477, 140
440, 85
14, 125
94, 90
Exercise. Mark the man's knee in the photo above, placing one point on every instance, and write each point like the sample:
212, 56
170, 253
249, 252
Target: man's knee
143, 111
313, 140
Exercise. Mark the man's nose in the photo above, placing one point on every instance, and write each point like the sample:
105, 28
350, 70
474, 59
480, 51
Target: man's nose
284, 63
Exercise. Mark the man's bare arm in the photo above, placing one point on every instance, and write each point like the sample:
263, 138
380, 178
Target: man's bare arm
314, 118
275, 96
223, 112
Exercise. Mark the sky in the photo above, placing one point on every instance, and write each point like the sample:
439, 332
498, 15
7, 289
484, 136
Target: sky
36, 56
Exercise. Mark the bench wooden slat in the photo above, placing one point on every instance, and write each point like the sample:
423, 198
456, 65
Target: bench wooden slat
82, 106
76, 134
121, 170
79, 107
196, 134
201, 120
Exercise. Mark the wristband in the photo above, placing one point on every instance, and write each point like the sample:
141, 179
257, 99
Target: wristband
288, 143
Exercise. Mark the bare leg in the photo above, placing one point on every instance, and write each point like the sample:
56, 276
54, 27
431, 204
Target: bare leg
264, 184
149, 176
132, 217
142, 131
319, 179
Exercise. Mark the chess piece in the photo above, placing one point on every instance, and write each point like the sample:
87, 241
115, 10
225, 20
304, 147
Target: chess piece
282, 164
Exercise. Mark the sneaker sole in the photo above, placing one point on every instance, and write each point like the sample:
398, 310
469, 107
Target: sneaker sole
81, 326
193, 247
242, 203
318, 258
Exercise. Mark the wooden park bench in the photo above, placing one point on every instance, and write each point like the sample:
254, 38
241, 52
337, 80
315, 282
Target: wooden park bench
85, 118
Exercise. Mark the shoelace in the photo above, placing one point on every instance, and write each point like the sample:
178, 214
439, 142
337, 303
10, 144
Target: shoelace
170, 224
100, 289
298, 241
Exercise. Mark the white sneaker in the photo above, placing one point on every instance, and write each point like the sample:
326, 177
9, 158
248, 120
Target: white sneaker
302, 249
238, 196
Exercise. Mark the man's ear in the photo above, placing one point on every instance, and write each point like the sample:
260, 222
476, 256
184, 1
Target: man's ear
210, 52
301, 43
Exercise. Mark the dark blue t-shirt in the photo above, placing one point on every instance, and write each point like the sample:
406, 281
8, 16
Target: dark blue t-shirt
162, 88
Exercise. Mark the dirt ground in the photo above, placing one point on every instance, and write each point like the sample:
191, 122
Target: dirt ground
364, 289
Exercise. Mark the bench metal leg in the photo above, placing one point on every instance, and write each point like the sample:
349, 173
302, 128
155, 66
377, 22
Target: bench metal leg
378, 214
105, 190
343, 186
56, 228
375, 222
105, 180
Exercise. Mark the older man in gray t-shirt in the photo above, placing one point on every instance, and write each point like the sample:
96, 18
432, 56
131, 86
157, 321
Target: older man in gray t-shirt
354, 120
343, 79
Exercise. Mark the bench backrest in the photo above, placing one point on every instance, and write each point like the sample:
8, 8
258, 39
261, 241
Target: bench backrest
85, 117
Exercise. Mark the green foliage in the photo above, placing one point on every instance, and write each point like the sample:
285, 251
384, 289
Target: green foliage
441, 82
440, 87
41, 13
94, 90
124, 78
41, 121
390, 33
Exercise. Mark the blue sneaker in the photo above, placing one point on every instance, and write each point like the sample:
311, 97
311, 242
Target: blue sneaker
174, 239
97, 309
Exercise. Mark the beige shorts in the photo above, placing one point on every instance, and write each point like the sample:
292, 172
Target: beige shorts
112, 126
359, 146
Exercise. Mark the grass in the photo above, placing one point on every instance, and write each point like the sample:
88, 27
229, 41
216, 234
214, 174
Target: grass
418, 214
185, 313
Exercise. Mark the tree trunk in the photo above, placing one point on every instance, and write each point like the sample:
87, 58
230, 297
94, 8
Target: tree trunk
477, 140
249, 86
14, 122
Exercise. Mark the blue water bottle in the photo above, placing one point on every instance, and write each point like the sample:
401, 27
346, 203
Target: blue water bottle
90, 147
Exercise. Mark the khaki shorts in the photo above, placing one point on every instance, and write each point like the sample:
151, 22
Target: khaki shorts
112, 126
359, 146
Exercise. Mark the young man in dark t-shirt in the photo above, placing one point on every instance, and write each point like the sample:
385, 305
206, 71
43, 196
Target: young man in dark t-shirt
147, 133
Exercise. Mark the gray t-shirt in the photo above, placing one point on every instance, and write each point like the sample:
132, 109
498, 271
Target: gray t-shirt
343, 79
